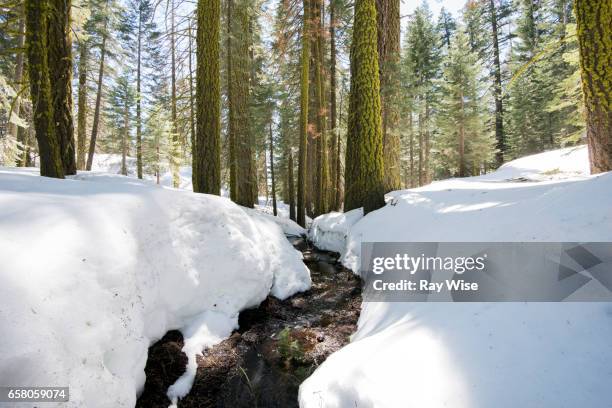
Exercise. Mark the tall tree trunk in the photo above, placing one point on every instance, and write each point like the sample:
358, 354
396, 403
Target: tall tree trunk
304, 77
18, 76
290, 184
272, 171
231, 120
96, 118
82, 106
60, 76
426, 166
139, 96
594, 19
338, 183
174, 159
191, 107
411, 136
125, 133
462, 137
364, 177
207, 151
421, 150
239, 118
37, 45
388, 28
334, 204
321, 186
497, 89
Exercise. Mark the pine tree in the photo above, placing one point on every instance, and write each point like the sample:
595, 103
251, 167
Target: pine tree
497, 85
364, 152
594, 20
530, 126
421, 69
464, 145
119, 115
207, 149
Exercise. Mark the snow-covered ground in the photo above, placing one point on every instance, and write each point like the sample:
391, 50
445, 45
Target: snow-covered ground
95, 268
111, 163
477, 355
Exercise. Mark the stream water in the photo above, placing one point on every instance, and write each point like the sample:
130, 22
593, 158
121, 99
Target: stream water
277, 346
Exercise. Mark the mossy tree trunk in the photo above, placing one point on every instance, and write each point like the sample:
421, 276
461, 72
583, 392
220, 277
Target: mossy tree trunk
207, 149
304, 77
364, 176
594, 19
388, 15
60, 75
37, 45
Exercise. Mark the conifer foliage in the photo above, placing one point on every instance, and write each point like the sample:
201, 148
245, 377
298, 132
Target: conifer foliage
320, 105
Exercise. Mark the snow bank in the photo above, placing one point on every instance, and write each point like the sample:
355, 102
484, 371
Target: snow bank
330, 231
97, 268
480, 355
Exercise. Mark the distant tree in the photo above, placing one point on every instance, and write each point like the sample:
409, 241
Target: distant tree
464, 145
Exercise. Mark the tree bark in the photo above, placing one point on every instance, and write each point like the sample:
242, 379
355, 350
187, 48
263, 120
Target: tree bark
139, 97
272, 171
322, 181
304, 78
96, 118
125, 133
364, 177
290, 183
594, 19
60, 76
497, 89
37, 23
191, 107
18, 76
174, 159
239, 73
207, 152
230, 129
82, 106
388, 28
334, 204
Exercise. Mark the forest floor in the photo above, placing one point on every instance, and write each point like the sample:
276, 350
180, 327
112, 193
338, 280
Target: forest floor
278, 345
